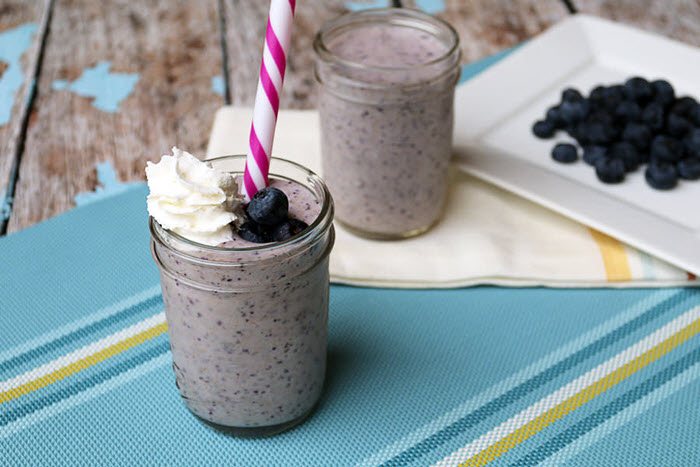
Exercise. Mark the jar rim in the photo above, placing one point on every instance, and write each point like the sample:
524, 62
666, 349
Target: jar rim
234, 288
377, 14
322, 222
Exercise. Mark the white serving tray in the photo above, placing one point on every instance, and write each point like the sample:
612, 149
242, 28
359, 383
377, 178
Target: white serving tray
493, 138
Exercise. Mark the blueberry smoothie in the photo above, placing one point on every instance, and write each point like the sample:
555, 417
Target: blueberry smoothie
386, 105
248, 320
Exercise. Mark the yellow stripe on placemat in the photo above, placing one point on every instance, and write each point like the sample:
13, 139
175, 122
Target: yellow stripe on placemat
83, 363
580, 398
617, 266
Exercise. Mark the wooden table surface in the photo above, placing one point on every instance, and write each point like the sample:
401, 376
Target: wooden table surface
118, 82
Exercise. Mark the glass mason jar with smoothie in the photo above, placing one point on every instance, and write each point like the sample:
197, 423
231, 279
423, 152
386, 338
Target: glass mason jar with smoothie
247, 321
387, 79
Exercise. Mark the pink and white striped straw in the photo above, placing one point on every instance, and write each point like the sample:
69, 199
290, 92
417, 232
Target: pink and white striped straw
267, 98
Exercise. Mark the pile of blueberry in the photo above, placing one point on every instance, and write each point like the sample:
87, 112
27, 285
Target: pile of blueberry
268, 218
624, 126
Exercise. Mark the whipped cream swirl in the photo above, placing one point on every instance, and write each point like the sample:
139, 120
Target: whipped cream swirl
191, 198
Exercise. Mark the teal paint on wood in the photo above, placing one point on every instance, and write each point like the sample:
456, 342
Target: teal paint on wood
13, 44
217, 85
107, 89
59, 84
472, 69
109, 185
431, 6
5, 205
358, 6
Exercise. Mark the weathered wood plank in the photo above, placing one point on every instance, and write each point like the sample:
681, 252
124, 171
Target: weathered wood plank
245, 28
677, 19
489, 26
145, 70
21, 30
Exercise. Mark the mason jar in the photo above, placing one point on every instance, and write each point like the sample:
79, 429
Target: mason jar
387, 79
248, 326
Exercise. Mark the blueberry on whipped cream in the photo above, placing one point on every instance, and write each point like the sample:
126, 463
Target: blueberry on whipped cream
192, 199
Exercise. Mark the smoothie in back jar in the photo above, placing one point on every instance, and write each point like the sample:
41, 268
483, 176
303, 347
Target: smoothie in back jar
245, 289
386, 103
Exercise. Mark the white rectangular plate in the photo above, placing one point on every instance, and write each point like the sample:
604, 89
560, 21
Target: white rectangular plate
493, 138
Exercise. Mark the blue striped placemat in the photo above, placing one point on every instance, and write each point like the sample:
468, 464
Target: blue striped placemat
517, 376
447, 377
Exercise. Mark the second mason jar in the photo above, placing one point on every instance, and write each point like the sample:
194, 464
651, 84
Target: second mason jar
386, 105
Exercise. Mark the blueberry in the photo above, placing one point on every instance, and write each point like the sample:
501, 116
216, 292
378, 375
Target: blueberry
610, 170
653, 116
638, 89
543, 129
692, 142
288, 229
677, 125
661, 175
694, 115
666, 149
638, 134
628, 111
565, 153
663, 92
571, 95
580, 133
554, 117
254, 232
592, 153
643, 157
689, 151
627, 153
689, 169
574, 111
683, 106
597, 95
269, 206
596, 132
612, 97
601, 116
616, 92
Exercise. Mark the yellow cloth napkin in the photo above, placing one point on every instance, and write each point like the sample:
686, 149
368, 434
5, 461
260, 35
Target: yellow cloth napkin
487, 235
